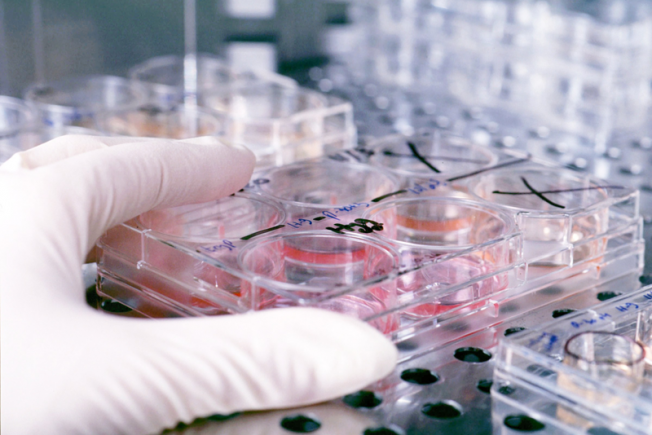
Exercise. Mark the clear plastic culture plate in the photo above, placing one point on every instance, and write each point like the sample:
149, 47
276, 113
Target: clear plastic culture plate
305, 234
76, 101
597, 369
298, 232
282, 124
164, 77
269, 113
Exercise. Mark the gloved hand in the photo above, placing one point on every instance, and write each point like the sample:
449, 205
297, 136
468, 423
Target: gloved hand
68, 369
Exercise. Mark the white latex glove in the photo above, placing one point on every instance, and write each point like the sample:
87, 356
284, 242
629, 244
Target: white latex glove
68, 369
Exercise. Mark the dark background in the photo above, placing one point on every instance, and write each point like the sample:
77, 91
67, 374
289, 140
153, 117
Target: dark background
110, 36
